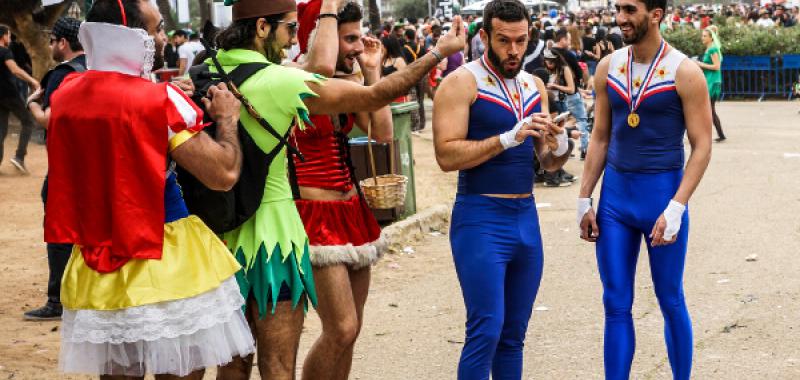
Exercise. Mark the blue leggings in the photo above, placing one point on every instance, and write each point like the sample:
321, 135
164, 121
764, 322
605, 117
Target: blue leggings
497, 250
630, 204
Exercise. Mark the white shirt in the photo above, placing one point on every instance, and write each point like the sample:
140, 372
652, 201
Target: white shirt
765, 22
188, 50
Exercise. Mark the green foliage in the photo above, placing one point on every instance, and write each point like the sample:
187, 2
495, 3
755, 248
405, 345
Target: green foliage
410, 8
739, 40
686, 40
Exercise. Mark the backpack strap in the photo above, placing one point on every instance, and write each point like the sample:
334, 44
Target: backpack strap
238, 76
76, 66
293, 176
244, 71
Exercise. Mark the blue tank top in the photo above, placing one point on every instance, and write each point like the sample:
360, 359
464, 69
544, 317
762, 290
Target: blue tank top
656, 144
499, 105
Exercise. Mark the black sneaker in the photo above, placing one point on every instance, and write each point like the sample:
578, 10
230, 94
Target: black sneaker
19, 163
539, 177
720, 139
48, 312
555, 180
583, 155
566, 176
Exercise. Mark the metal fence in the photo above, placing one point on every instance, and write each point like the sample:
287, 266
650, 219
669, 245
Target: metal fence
760, 76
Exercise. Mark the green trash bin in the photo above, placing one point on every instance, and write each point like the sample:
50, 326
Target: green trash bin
404, 156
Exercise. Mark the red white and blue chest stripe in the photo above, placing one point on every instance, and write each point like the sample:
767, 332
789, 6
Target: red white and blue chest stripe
518, 96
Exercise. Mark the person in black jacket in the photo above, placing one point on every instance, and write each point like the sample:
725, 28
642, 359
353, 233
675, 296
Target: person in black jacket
11, 102
65, 48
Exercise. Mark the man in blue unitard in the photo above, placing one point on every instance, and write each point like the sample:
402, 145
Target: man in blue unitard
489, 118
648, 96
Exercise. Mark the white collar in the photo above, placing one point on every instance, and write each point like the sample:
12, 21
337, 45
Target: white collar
117, 48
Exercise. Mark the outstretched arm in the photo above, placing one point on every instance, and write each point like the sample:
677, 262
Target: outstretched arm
337, 96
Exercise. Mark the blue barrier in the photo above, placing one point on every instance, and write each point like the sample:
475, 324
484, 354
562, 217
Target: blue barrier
790, 73
761, 76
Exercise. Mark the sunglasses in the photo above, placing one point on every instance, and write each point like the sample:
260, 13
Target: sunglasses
292, 26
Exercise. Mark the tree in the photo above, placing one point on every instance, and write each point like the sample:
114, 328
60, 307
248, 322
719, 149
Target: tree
411, 8
374, 15
27, 19
166, 13
205, 11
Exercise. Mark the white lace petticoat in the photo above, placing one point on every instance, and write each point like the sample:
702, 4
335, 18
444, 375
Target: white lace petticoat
173, 337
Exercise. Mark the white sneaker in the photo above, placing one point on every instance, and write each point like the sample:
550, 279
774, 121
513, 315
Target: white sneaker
20, 165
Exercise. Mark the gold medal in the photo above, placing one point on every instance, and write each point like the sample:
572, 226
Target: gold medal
634, 100
633, 120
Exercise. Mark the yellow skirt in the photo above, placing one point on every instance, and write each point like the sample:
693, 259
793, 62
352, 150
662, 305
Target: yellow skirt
194, 262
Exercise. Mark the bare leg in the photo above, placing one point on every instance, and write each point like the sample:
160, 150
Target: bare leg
196, 375
359, 283
337, 311
278, 337
240, 367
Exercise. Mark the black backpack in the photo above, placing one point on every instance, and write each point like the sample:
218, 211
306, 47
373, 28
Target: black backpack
224, 211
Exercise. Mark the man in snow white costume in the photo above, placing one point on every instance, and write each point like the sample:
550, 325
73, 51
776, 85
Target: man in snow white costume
148, 288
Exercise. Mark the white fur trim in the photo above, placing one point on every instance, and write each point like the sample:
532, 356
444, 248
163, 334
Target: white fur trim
356, 257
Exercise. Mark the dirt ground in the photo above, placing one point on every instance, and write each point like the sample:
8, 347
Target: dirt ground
745, 313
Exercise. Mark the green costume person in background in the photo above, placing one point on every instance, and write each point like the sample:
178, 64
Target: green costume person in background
712, 68
272, 245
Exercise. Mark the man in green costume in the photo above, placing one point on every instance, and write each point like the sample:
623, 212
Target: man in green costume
272, 245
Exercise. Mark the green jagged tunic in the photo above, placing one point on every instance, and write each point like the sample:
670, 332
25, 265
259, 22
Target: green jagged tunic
272, 245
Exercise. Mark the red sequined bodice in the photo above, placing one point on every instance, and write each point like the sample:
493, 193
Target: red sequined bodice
324, 151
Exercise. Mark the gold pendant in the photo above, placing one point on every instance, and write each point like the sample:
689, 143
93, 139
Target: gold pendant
633, 120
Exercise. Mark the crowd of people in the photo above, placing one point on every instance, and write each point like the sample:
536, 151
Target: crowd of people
248, 212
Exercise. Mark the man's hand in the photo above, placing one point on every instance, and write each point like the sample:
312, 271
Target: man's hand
531, 126
222, 106
370, 59
588, 222
36, 96
184, 84
551, 137
454, 41
35, 86
536, 126
667, 225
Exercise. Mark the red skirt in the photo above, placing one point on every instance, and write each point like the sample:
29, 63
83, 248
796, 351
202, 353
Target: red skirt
341, 232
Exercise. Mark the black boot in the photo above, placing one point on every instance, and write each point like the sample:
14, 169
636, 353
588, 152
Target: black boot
49, 312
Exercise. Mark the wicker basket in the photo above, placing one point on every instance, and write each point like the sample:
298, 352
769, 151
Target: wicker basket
383, 191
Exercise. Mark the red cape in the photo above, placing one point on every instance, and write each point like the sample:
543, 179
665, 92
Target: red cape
107, 149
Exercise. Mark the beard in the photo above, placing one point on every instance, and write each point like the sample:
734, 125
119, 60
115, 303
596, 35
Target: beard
158, 60
345, 65
638, 33
57, 56
158, 57
500, 65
